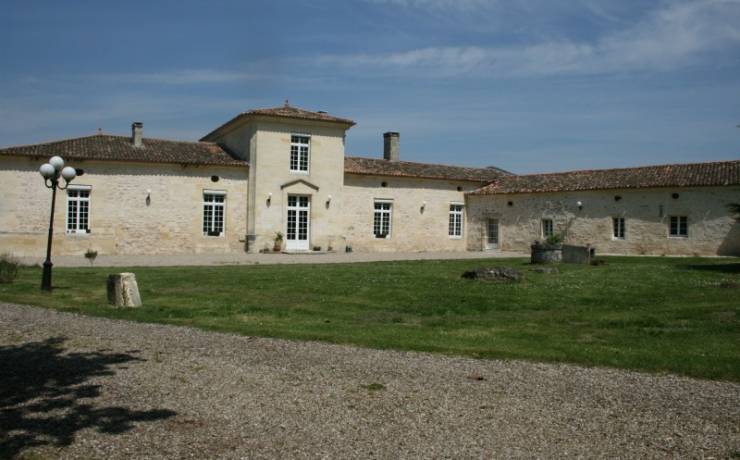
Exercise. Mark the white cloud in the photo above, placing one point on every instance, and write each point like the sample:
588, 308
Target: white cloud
183, 77
674, 34
672, 37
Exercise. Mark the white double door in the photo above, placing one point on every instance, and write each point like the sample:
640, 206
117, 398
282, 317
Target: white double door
299, 225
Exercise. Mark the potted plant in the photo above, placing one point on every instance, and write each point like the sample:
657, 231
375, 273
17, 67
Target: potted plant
278, 245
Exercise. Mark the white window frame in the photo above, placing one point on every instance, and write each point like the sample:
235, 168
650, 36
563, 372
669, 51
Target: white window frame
619, 228
214, 205
543, 227
456, 215
383, 212
678, 226
77, 230
298, 146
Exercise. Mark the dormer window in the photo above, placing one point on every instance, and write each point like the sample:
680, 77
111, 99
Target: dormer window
299, 151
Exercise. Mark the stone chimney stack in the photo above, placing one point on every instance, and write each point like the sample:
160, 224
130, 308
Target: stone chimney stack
390, 146
137, 129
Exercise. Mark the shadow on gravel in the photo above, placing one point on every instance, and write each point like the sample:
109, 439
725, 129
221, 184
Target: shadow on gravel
45, 398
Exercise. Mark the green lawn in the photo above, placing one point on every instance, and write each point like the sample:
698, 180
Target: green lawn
656, 314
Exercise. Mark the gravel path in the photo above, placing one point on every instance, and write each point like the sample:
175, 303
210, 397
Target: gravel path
179, 260
79, 387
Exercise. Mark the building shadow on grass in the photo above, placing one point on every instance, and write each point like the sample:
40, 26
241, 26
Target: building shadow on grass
722, 268
46, 396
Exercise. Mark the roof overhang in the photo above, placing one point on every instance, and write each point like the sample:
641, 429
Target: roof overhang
247, 117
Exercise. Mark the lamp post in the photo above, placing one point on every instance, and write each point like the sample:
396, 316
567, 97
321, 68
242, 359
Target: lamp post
51, 172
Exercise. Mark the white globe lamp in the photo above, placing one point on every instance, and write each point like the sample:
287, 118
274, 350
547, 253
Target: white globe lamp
69, 173
57, 162
47, 171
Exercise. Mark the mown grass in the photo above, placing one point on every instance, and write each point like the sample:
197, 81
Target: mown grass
674, 315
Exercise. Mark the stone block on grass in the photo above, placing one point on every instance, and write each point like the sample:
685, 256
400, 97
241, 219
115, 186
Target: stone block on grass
123, 291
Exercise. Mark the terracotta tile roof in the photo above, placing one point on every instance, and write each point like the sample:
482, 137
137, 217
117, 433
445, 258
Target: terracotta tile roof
119, 148
286, 111
382, 167
674, 175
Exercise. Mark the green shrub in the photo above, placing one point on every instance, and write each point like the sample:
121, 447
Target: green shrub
555, 238
8, 268
90, 255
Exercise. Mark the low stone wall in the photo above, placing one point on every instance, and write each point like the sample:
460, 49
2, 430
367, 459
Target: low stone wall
577, 254
546, 253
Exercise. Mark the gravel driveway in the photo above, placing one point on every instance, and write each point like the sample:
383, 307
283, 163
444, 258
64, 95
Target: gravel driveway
79, 387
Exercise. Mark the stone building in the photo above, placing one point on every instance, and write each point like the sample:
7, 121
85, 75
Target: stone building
284, 170
660, 210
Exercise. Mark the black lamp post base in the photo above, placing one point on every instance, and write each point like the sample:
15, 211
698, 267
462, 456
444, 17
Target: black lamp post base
46, 277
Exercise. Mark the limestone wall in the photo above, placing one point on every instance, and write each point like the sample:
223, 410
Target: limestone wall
241, 141
269, 156
412, 229
326, 170
121, 222
647, 214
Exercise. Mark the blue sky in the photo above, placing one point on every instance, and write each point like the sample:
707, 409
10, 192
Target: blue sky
529, 86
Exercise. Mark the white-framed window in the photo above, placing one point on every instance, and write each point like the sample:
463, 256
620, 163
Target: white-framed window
547, 228
78, 209
618, 228
382, 216
455, 228
299, 153
679, 227
213, 212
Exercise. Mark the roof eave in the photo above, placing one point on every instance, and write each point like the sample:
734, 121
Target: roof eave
482, 192
416, 176
212, 136
72, 157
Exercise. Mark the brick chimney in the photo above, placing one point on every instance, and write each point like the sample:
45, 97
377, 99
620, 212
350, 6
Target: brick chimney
390, 146
137, 129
